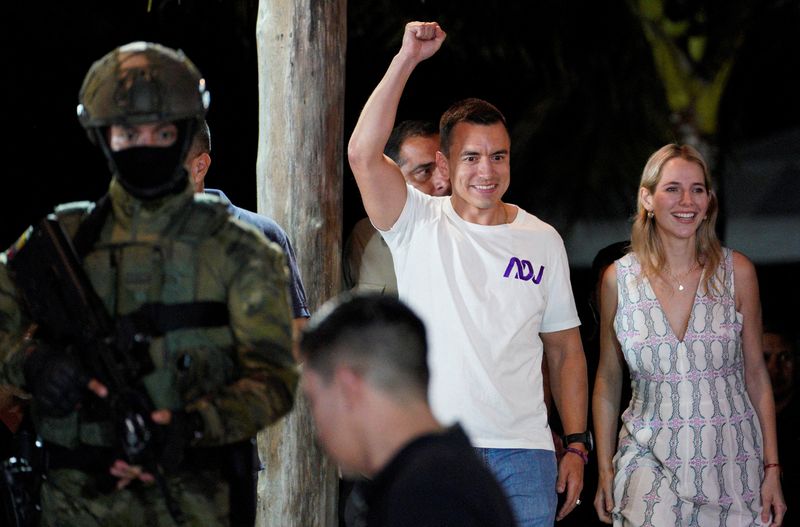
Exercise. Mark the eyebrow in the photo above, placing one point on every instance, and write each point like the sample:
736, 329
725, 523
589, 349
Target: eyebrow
503, 151
701, 183
423, 166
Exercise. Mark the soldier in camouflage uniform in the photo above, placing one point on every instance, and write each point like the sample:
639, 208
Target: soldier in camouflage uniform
214, 379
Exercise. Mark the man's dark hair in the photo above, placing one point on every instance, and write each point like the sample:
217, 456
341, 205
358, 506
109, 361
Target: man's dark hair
474, 111
376, 335
201, 142
604, 257
607, 256
404, 131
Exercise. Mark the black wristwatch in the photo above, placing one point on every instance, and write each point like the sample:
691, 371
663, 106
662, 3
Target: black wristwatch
584, 437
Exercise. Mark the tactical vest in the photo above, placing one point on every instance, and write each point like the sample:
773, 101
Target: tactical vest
165, 287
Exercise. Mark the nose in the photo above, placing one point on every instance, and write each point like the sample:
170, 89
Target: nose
686, 196
484, 167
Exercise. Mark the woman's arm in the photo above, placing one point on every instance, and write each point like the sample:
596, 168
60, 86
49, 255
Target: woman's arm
759, 387
606, 396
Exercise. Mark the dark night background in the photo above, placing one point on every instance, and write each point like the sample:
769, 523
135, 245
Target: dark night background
576, 80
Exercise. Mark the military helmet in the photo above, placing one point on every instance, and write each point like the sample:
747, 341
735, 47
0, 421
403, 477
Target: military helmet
142, 82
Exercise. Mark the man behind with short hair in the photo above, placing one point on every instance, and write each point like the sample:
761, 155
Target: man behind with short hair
491, 282
366, 378
367, 261
198, 162
413, 146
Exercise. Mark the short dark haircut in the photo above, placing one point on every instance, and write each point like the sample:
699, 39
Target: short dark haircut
201, 142
406, 130
376, 335
474, 111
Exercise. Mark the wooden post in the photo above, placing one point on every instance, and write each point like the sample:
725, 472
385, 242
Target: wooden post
301, 49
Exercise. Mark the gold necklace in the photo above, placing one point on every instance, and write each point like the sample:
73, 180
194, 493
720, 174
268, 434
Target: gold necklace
683, 276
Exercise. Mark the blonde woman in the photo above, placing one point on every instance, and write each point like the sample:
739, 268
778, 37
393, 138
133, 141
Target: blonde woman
698, 443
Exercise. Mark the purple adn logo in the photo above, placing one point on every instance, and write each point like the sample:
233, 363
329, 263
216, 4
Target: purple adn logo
524, 270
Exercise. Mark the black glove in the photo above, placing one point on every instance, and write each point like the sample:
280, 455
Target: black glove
56, 380
183, 428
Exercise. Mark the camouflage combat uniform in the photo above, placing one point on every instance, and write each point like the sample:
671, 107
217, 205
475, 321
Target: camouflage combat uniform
240, 377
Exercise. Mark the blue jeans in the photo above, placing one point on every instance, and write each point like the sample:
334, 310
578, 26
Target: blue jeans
528, 478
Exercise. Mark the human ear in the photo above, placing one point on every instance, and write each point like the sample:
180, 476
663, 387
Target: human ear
199, 168
646, 199
442, 164
350, 384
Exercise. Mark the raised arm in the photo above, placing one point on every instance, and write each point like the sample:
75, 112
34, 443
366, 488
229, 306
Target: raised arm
606, 396
759, 388
382, 187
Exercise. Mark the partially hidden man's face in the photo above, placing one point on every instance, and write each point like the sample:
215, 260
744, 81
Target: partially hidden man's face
150, 134
330, 411
478, 165
780, 363
418, 165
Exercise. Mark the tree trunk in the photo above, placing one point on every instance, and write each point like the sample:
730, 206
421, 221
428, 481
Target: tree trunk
301, 48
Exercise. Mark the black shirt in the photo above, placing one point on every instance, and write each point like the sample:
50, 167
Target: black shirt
435, 481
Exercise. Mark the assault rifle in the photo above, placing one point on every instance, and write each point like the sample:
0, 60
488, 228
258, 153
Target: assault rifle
71, 316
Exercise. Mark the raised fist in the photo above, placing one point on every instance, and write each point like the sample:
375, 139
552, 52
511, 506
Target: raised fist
421, 40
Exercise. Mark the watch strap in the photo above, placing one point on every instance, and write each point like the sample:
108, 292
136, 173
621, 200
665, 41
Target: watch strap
583, 437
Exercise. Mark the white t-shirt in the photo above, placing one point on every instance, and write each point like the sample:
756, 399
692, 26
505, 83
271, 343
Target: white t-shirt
485, 293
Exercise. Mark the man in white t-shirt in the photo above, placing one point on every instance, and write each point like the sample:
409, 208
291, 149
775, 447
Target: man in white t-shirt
491, 283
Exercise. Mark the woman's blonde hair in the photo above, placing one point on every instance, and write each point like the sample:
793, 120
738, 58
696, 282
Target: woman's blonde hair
645, 240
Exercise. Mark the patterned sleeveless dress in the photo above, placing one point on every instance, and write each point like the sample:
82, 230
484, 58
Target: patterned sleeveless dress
690, 448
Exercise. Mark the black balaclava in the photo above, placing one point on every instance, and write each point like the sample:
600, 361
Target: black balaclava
151, 172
